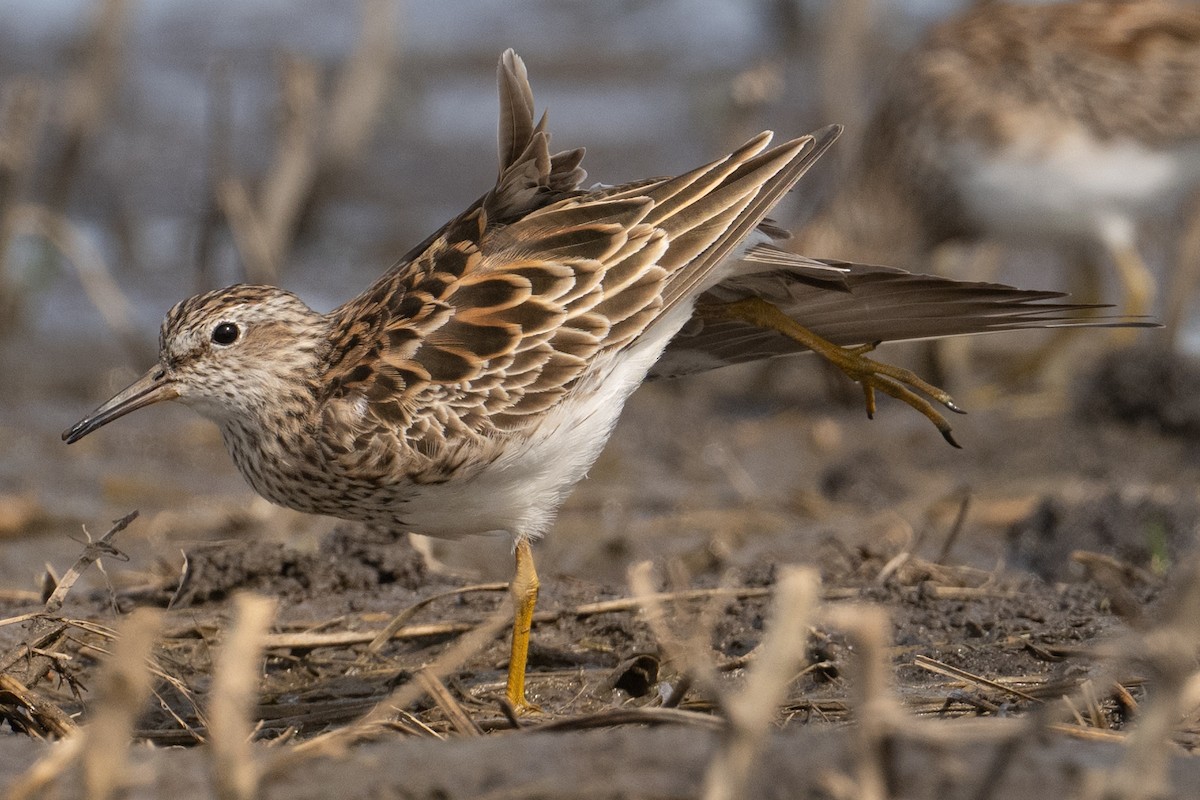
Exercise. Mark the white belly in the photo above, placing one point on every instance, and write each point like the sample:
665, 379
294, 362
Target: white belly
520, 492
1065, 185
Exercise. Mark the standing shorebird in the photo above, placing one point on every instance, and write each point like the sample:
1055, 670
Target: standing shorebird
472, 385
1068, 125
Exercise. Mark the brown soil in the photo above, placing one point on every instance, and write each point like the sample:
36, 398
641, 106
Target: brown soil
1001, 594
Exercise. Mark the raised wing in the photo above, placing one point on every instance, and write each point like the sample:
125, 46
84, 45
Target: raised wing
493, 324
491, 321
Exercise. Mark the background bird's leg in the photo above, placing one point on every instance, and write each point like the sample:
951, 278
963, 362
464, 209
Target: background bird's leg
871, 375
524, 591
949, 359
1137, 282
1051, 359
1185, 276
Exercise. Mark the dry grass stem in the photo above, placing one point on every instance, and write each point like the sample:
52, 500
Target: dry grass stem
19, 128
98, 283
27, 711
90, 87
458, 716
37, 655
751, 711
307, 639
92, 553
313, 639
398, 622
632, 716
263, 231
876, 708
1169, 653
933, 665
124, 687
33, 783
1088, 734
312, 144
234, 695
361, 86
691, 654
378, 718
956, 529
20, 617
87, 101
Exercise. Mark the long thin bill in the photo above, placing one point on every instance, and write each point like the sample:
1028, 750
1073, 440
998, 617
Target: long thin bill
150, 388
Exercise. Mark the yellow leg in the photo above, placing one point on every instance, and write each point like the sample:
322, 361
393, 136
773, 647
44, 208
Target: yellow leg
1185, 275
949, 359
1050, 359
1139, 287
524, 591
871, 375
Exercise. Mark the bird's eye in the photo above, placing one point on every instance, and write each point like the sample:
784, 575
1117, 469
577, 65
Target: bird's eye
225, 333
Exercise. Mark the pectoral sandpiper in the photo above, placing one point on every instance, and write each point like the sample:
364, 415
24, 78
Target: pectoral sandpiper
1064, 125
472, 385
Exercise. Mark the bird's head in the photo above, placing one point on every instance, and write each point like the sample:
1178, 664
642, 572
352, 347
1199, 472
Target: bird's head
234, 352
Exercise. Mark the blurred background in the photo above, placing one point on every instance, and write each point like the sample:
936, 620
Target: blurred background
150, 149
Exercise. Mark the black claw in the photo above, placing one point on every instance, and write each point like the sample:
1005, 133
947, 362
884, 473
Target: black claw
950, 405
950, 438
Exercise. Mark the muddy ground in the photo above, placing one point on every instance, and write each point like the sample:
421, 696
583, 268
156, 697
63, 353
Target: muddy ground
1015, 573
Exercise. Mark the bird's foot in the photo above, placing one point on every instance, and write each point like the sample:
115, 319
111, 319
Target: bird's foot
897, 382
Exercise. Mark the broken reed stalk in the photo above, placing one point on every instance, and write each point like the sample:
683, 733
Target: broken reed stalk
19, 132
877, 711
751, 711
124, 687
87, 100
19, 128
57, 231
312, 144
235, 772
458, 716
26, 707
263, 231
46, 632
88, 95
310, 639
379, 717
361, 87
691, 654
30, 713
1168, 652
92, 553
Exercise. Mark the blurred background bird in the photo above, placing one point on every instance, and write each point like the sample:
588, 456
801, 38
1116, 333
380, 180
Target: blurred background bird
1069, 127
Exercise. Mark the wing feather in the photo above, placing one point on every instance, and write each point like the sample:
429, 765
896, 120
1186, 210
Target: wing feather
494, 319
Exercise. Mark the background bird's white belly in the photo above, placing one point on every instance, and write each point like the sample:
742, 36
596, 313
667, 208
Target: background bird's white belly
1069, 185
